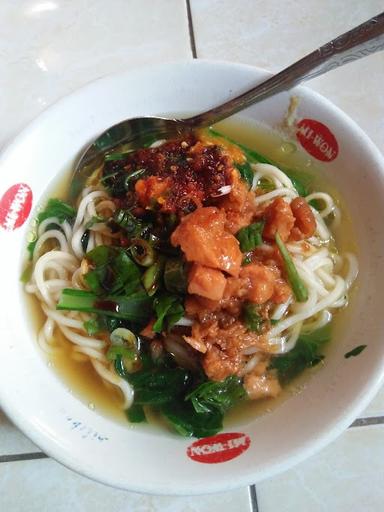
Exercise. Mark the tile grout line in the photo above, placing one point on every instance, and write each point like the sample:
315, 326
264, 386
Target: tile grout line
23, 456
366, 422
190, 29
253, 498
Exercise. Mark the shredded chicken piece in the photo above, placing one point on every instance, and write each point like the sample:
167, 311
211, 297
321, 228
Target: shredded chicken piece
203, 239
305, 222
239, 204
278, 218
206, 282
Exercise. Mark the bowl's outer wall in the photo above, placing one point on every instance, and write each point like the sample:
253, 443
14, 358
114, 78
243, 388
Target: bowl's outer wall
154, 461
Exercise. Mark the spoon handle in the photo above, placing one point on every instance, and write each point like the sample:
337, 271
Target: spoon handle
355, 44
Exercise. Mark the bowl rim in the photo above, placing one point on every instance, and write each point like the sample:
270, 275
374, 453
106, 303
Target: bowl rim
340, 421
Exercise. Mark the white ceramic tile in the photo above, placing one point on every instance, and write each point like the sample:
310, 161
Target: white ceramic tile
274, 34
12, 441
347, 476
49, 48
49, 486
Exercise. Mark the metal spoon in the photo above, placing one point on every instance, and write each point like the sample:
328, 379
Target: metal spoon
359, 42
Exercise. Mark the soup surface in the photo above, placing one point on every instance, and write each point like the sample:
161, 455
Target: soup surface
194, 280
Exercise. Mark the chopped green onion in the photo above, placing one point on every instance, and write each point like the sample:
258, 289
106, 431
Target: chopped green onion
298, 287
142, 252
122, 336
130, 177
246, 173
128, 222
125, 344
116, 156
151, 277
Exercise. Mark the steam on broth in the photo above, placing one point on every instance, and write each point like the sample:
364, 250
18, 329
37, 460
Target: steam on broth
191, 277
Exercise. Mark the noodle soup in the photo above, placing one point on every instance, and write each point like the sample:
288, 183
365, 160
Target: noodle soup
192, 277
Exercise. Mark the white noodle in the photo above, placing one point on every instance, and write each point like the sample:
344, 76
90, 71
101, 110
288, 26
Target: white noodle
281, 192
326, 199
57, 269
267, 170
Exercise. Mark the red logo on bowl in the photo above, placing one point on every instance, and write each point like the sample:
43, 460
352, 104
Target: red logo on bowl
219, 448
15, 206
317, 139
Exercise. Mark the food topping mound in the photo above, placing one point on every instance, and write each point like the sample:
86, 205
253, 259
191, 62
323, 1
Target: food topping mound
203, 276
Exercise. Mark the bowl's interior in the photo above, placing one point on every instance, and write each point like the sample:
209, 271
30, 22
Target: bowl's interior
40, 403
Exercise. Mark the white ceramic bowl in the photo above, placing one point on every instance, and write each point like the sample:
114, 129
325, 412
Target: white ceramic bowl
157, 462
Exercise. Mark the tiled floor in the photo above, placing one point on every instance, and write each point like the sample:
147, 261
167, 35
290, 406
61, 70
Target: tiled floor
49, 48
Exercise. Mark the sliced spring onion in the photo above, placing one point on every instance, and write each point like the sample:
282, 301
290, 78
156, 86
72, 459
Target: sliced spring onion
133, 176
122, 336
116, 156
127, 221
142, 252
125, 344
151, 277
298, 287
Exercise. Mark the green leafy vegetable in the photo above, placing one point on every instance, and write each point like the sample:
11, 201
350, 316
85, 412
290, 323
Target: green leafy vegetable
252, 320
54, 208
136, 414
169, 310
136, 308
57, 208
175, 275
250, 236
305, 354
155, 386
246, 173
355, 351
298, 287
219, 396
188, 423
114, 272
